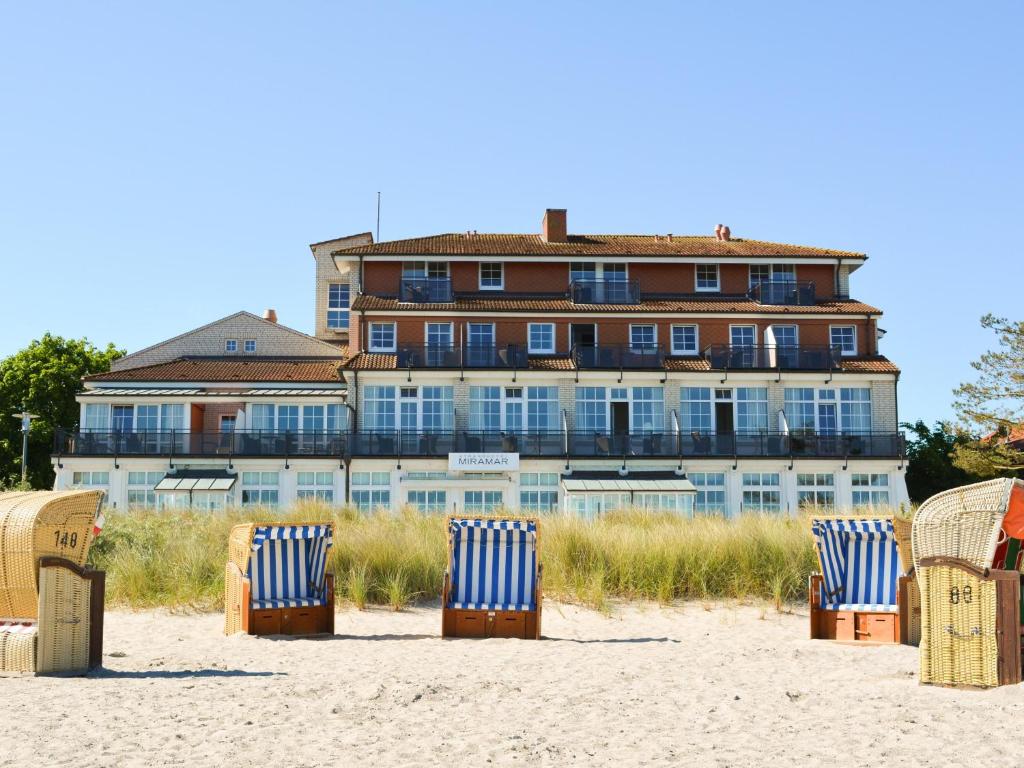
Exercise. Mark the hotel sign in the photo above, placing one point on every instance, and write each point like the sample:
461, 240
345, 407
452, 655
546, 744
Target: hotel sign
483, 462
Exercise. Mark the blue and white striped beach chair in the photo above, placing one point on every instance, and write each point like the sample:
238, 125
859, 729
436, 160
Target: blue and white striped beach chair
276, 581
856, 595
492, 587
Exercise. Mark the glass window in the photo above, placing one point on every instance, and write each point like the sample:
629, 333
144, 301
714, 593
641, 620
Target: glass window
742, 335
648, 411
140, 489
582, 270
147, 418
315, 485
816, 490
250, 345
431, 269
855, 410
761, 492
492, 276
231, 345
313, 418
591, 409
382, 337
695, 410
707, 277
337, 417
679, 503
760, 273
172, 417
844, 337
482, 502
614, 272
480, 335
785, 335
870, 489
371, 490
684, 339
643, 337
541, 338
751, 409
799, 408
542, 409
439, 335
337, 305
121, 418
260, 488
261, 417
97, 417
710, 492
428, 501
287, 418
379, 408
91, 478
438, 409
485, 409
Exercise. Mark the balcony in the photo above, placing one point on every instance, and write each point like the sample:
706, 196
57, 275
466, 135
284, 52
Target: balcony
792, 292
425, 290
550, 444
773, 356
512, 356
605, 291
617, 357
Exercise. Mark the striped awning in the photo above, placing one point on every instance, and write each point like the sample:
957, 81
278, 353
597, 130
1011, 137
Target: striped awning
196, 480
676, 485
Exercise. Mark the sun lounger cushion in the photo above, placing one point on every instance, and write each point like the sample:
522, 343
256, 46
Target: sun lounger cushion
860, 565
288, 565
494, 565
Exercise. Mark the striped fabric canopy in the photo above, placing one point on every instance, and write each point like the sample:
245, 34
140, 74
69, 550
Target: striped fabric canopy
859, 564
494, 565
288, 565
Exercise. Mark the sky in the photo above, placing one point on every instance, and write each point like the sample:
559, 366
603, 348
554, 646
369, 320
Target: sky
165, 164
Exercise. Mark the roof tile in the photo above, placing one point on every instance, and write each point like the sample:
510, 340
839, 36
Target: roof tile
324, 370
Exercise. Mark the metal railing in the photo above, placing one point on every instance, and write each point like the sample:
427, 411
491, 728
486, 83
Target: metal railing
774, 356
554, 443
793, 292
605, 291
468, 356
617, 356
425, 290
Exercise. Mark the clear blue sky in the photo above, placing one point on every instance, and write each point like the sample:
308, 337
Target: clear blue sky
163, 165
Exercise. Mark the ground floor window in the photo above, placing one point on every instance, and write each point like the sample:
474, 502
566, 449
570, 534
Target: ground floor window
680, 503
761, 492
594, 504
870, 490
816, 490
90, 478
538, 491
140, 488
428, 501
260, 488
371, 490
482, 502
315, 485
710, 498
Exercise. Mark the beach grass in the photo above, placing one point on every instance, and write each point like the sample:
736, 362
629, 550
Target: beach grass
176, 558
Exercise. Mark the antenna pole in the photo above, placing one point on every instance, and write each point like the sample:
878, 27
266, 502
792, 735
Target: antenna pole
378, 217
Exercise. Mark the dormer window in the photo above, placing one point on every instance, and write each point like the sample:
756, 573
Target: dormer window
707, 277
231, 345
492, 276
250, 345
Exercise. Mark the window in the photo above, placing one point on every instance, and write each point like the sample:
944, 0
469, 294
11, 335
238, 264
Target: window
776, 273
260, 488
146, 418
870, 489
97, 417
542, 409
751, 410
439, 335
382, 337
591, 505
541, 338
428, 501
684, 339
337, 305
172, 417
648, 410
816, 490
496, 409
379, 408
121, 418
431, 269
643, 338
695, 410
811, 410
480, 335
250, 345
91, 478
492, 276
261, 417
785, 335
371, 490
539, 492
855, 410
761, 492
591, 410
742, 335
140, 488
287, 418
679, 503
707, 277
710, 492
315, 485
844, 337
227, 424
613, 272
582, 270
231, 345
481, 502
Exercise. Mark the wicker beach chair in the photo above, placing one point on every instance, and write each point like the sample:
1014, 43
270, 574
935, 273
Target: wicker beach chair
909, 597
856, 596
492, 587
51, 604
276, 580
967, 549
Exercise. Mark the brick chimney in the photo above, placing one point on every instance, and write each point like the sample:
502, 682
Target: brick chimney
553, 227
270, 314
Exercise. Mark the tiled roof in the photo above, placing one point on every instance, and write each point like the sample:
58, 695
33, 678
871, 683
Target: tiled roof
376, 361
591, 245
876, 364
324, 370
559, 304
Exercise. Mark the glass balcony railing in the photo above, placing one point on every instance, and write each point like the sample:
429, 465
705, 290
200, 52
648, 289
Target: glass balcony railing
773, 356
425, 290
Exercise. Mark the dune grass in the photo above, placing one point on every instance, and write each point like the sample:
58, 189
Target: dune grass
176, 558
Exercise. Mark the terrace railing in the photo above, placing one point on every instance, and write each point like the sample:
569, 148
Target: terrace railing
605, 291
774, 356
425, 290
511, 356
793, 292
617, 357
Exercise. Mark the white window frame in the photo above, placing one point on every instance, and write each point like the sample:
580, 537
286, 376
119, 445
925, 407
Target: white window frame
843, 351
494, 336
230, 345
246, 344
529, 339
654, 343
480, 276
427, 263
742, 325
451, 333
718, 278
338, 316
696, 339
394, 337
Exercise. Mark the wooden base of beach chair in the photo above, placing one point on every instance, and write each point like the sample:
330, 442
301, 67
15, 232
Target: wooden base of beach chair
910, 611
314, 620
850, 626
524, 625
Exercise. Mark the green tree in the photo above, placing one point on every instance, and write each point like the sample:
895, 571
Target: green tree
930, 466
993, 405
44, 377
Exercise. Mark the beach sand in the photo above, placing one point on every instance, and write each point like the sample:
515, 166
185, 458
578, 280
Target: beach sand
733, 685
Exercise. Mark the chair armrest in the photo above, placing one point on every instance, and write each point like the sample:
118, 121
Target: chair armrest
814, 590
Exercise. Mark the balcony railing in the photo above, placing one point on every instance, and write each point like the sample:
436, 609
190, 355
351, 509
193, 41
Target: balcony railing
400, 443
794, 292
605, 291
618, 357
771, 356
470, 356
425, 290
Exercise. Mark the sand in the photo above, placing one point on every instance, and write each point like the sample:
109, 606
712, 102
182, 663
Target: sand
733, 685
